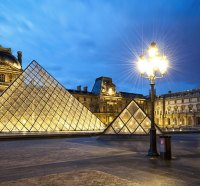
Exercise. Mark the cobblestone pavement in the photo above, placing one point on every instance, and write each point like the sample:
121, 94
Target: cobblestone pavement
92, 161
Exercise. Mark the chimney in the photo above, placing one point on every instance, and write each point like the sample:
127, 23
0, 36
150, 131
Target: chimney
79, 88
85, 89
19, 57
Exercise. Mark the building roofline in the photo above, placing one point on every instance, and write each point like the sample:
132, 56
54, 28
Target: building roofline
103, 77
80, 92
181, 93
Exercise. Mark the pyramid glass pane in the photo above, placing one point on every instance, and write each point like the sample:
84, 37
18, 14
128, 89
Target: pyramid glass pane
132, 108
36, 102
110, 131
139, 115
132, 124
124, 130
125, 116
146, 124
117, 125
139, 130
132, 120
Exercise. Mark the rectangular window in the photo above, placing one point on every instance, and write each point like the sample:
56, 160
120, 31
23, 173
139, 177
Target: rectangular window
2, 78
193, 100
186, 100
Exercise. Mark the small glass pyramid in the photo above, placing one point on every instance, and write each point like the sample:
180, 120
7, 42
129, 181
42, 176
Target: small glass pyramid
36, 102
132, 120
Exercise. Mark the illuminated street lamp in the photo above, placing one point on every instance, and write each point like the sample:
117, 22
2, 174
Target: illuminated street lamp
152, 66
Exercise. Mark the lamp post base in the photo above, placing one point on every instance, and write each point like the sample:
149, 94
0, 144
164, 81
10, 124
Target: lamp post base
153, 146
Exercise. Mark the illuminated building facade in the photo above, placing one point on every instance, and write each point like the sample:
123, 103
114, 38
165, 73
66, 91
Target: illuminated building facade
10, 67
104, 101
173, 110
179, 109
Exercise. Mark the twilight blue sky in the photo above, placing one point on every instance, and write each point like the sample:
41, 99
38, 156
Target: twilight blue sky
80, 40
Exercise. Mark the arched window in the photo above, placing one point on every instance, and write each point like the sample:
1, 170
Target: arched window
2, 78
168, 108
190, 107
198, 107
182, 108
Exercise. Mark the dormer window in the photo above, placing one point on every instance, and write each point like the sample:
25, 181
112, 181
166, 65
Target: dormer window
2, 77
110, 91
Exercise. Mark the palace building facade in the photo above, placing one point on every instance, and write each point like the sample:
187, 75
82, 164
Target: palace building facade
10, 67
172, 110
104, 101
179, 109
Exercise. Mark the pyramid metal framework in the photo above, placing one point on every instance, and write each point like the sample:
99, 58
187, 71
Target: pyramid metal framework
132, 120
36, 102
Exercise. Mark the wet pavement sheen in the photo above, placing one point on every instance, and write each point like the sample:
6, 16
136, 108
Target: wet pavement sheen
94, 161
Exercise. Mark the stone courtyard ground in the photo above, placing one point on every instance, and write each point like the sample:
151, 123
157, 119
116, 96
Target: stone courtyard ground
91, 161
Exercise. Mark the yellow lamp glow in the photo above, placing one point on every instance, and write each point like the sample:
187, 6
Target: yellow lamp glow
153, 64
142, 63
153, 51
163, 65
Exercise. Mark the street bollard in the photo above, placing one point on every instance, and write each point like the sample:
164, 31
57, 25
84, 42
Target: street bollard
165, 147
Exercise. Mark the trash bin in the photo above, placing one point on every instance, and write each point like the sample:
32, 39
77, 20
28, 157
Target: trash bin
165, 147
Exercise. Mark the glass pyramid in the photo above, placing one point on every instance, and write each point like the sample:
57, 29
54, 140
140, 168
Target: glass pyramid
36, 102
132, 120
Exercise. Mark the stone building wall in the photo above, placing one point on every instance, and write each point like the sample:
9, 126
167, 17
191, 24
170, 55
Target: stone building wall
178, 110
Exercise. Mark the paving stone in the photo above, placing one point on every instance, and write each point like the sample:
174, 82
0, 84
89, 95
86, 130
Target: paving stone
90, 161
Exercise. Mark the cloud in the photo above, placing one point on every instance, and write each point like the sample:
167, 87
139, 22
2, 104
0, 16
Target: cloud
78, 41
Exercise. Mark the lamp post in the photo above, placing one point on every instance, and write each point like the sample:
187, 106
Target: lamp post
152, 66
